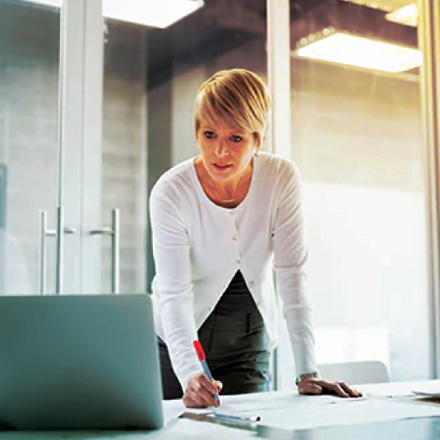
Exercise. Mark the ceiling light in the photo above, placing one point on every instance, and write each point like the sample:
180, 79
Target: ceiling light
155, 13
407, 15
336, 47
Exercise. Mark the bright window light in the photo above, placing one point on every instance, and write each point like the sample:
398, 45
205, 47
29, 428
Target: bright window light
407, 15
156, 13
362, 52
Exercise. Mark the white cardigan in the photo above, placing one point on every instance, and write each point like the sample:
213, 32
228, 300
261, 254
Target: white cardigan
198, 246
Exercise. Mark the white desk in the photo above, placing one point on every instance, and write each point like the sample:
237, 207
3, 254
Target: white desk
284, 411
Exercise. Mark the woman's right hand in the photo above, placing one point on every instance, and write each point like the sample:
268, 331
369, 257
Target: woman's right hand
200, 392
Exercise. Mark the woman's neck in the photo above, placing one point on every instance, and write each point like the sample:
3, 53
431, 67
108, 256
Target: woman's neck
228, 194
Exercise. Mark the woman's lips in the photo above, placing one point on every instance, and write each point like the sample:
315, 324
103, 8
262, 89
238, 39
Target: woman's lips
221, 167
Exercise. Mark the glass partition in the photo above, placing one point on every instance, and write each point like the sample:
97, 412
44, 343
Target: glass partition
220, 35
124, 153
357, 138
29, 54
151, 74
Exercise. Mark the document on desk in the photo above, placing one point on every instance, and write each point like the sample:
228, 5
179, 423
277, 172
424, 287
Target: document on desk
429, 390
400, 389
302, 412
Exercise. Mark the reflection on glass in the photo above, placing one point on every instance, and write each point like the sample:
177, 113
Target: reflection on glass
223, 34
336, 47
407, 15
146, 12
150, 12
356, 137
124, 152
150, 79
29, 47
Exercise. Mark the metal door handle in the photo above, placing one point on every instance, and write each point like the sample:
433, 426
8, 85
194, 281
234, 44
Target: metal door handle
114, 231
44, 232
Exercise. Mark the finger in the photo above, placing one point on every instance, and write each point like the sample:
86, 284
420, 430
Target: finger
193, 400
197, 398
201, 380
332, 388
207, 390
196, 395
350, 391
219, 385
189, 402
204, 396
209, 386
339, 390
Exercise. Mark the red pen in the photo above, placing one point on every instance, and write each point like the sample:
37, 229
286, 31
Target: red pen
202, 358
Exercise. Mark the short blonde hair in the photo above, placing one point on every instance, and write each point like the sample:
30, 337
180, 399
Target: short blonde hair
238, 98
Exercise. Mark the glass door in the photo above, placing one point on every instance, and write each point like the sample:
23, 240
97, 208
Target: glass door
29, 128
123, 194
50, 145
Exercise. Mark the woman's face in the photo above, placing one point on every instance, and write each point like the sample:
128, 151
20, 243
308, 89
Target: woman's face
226, 151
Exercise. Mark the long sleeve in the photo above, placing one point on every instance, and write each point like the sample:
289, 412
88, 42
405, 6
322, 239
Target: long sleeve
290, 255
199, 246
171, 250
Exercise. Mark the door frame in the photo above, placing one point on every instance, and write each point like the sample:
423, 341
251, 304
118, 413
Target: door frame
80, 146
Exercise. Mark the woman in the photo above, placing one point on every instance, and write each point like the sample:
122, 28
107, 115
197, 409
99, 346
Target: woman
222, 223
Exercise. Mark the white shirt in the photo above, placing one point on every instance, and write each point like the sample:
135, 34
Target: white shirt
198, 246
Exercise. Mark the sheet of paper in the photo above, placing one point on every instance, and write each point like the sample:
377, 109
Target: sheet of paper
397, 389
360, 411
291, 411
430, 390
254, 408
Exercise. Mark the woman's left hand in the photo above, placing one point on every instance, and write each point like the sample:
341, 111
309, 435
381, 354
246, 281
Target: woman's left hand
320, 386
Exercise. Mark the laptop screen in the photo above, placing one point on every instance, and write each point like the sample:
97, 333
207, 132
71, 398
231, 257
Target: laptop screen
79, 362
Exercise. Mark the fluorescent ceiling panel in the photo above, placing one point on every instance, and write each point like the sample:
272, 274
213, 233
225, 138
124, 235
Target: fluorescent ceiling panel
362, 52
156, 13
407, 15
383, 5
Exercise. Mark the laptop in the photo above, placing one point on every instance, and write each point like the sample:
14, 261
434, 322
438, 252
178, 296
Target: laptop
79, 362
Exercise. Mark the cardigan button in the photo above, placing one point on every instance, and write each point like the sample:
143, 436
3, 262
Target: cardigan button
251, 283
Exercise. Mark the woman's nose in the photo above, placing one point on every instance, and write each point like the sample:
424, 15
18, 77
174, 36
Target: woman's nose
221, 149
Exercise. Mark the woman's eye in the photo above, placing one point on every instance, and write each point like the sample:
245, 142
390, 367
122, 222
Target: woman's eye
236, 138
209, 134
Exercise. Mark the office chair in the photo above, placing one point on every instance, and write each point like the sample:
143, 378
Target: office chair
356, 373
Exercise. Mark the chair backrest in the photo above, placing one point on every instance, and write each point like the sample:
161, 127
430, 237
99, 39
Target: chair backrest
356, 373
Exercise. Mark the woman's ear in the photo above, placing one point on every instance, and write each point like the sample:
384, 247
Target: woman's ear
257, 140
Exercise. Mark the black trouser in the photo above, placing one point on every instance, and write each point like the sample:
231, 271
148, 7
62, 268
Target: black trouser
237, 352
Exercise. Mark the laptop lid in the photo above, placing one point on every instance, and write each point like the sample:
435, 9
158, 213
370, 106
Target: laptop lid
79, 362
